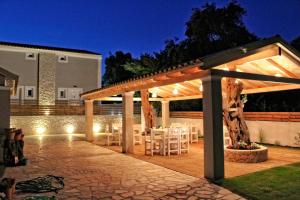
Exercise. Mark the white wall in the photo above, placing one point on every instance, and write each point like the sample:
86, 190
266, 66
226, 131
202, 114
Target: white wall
280, 133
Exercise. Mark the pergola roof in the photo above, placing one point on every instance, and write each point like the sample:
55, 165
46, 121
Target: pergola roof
271, 60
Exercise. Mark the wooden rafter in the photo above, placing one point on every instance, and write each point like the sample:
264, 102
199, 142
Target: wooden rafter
281, 68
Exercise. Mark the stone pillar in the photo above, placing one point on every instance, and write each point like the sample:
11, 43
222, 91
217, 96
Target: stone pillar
4, 105
89, 115
127, 123
46, 78
142, 120
165, 114
4, 112
213, 128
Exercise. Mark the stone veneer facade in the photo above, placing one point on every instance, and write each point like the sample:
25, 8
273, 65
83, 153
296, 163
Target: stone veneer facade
54, 124
46, 78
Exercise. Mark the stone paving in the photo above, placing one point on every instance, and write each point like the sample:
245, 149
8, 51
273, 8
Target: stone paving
93, 172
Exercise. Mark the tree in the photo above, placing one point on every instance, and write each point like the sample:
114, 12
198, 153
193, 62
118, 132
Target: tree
211, 29
144, 65
296, 43
114, 68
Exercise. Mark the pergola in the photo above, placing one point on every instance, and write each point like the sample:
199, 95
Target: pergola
263, 66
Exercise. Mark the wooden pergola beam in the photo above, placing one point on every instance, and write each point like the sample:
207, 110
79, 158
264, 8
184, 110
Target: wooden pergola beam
282, 69
251, 76
129, 86
272, 89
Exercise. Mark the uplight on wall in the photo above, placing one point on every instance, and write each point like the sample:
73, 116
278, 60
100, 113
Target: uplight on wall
40, 130
70, 129
96, 128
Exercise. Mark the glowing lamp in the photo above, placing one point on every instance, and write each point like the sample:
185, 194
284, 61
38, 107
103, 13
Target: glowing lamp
96, 128
40, 130
175, 91
70, 129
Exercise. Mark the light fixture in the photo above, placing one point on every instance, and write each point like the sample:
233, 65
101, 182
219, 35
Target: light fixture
40, 130
96, 128
226, 69
237, 81
278, 75
201, 88
175, 91
70, 129
154, 95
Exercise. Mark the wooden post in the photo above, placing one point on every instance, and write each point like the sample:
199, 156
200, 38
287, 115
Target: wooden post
127, 123
147, 110
213, 128
89, 119
165, 113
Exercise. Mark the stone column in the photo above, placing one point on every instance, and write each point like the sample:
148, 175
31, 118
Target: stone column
165, 114
4, 112
213, 128
46, 78
89, 115
127, 123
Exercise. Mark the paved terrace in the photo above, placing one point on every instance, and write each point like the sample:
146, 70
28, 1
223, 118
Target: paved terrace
93, 172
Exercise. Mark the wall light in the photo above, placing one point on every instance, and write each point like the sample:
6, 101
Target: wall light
96, 128
175, 91
40, 130
70, 129
154, 95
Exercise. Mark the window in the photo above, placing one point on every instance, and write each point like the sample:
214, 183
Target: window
62, 94
30, 56
30, 92
62, 59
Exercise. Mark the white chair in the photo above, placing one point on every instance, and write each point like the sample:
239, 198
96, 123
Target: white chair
176, 125
137, 134
116, 135
184, 140
173, 141
153, 142
193, 134
107, 135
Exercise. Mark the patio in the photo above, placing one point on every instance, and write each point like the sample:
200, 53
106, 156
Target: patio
91, 172
193, 163
262, 66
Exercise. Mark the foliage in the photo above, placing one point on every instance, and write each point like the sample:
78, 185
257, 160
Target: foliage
279, 183
296, 43
244, 146
114, 70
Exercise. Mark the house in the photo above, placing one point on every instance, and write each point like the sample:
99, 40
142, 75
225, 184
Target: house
50, 75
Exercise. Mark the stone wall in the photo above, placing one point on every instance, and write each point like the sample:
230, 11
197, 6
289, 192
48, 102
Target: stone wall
46, 78
58, 124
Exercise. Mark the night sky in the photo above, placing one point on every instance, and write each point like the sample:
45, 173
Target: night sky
135, 26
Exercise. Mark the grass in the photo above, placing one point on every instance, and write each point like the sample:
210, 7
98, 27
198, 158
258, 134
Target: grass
277, 183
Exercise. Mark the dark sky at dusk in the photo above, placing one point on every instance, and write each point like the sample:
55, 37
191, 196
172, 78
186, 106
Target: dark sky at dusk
136, 26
